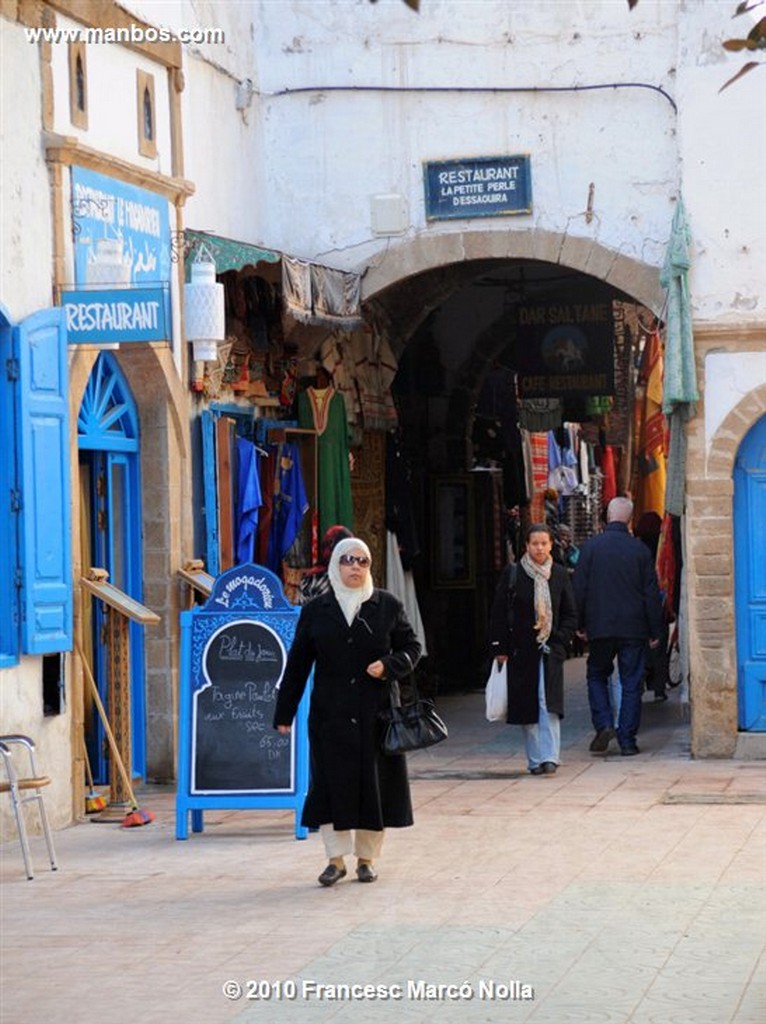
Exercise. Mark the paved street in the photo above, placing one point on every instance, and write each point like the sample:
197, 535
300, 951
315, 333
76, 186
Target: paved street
619, 890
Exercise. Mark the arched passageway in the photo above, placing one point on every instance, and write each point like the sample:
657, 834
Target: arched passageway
475, 338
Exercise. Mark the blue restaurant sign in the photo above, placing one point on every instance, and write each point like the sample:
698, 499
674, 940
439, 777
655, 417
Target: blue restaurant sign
486, 186
115, 314
122, 261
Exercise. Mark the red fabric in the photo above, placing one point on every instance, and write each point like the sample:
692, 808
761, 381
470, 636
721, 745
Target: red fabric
667, 563
609, 470
539, 445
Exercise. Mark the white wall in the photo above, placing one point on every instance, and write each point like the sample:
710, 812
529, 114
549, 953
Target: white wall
25, 230
112, 101
328, 152
722, 151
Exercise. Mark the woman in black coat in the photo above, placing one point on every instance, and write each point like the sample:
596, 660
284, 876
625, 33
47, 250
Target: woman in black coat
358, 640
532, 621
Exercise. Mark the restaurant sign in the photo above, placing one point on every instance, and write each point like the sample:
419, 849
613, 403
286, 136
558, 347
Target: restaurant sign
487, 186
108, 315
122, 261
564, 347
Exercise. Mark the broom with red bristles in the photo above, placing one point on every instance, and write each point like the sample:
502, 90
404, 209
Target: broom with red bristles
136, 816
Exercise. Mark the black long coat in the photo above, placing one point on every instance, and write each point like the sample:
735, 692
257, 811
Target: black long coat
352, 785
511, 632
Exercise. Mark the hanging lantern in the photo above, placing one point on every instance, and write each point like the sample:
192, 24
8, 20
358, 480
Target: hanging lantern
204, 308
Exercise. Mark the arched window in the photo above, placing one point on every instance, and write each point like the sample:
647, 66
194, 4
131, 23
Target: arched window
148, 116
78, 85
147, 123
79, 76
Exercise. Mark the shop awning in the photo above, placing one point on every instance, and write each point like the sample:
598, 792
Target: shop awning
228, 254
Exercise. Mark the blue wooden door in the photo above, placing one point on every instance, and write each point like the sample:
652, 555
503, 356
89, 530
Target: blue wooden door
110, 484
750, 577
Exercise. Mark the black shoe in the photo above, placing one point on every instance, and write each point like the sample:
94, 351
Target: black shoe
537, 770
549, 767
600, 742
629, 750
331, 875
365, 873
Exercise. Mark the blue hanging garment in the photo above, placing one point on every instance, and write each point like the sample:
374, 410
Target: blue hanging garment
289, 506
248, 500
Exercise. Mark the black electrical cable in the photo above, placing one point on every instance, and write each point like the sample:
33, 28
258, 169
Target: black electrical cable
475, 89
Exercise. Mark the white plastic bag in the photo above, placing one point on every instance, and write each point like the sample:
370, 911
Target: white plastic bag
496, 693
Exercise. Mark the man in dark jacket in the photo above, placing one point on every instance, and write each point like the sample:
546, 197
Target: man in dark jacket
619, 606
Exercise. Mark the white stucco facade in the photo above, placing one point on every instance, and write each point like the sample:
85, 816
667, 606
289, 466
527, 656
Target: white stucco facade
619, 111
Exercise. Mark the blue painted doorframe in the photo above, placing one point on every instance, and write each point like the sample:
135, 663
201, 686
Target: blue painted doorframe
750, 577
108, 438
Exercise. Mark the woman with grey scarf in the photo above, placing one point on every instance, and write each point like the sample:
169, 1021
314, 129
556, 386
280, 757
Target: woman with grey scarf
532, 620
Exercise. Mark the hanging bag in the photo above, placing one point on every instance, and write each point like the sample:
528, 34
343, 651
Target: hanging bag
496, 692
411, 726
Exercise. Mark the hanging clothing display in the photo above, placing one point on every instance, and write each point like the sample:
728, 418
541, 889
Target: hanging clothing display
539, 443
400, 514
248, 500
332, 355
290, 504
267, 467
402, 584
649, 431
323, 410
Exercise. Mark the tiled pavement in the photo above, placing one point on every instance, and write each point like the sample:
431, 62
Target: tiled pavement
619, 890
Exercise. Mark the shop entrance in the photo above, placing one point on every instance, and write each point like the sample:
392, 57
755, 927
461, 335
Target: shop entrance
110, 530
750, 577
478, 341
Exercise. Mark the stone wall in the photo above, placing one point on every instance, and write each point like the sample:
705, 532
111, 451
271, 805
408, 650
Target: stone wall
710, 546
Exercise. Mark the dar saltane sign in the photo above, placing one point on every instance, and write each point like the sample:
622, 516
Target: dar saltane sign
486, 186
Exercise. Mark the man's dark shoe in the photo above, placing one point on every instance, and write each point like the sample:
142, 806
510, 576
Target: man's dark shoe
365, 873
537, 770
331, 875
549, 767
629, 750
600, 742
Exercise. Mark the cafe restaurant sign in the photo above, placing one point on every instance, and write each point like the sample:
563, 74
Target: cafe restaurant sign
486, 186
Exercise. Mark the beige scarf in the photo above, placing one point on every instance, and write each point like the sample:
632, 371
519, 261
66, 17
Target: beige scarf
540, 574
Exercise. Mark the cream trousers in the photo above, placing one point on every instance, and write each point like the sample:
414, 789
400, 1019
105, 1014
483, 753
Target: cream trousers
366, 845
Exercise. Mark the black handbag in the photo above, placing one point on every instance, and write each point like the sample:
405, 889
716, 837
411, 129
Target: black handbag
411, 726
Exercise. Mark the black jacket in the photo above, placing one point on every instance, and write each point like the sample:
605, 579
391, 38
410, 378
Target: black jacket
351, 785
616, 588
511, 632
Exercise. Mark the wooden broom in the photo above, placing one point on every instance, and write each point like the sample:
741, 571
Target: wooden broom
136, 816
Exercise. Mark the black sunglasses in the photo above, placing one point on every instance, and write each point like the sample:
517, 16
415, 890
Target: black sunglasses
361, 560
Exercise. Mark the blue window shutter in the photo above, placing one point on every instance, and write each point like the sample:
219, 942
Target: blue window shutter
210, 491
40, 346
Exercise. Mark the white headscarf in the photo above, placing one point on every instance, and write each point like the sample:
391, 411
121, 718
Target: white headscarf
350, 599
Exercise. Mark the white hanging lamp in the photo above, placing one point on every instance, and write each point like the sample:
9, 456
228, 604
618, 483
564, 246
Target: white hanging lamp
204, 308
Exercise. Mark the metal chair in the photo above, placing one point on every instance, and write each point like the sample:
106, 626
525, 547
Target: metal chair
32, 785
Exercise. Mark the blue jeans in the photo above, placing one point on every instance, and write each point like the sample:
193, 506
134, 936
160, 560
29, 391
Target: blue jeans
542, 740
631, 660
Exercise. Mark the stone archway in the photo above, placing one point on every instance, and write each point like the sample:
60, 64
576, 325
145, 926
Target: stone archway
710, 580
431, 251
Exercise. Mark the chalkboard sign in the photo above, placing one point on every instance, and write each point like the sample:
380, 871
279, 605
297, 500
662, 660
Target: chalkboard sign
233, 655
236, 748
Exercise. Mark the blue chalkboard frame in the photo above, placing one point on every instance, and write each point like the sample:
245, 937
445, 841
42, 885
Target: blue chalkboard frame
250, 593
